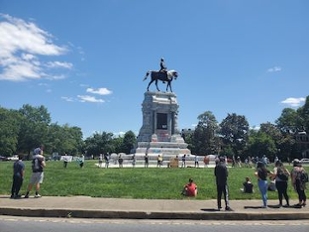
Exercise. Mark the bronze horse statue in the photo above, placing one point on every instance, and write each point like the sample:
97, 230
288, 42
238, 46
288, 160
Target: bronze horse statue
161, 76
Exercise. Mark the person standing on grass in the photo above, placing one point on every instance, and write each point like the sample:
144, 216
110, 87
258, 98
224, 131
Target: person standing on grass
106, 158
298, 185
146, 158
38, 164
183, 161
281, 175
133, 160
196, 161
100, 160
18, 177
262, 173
82, 161
221, 174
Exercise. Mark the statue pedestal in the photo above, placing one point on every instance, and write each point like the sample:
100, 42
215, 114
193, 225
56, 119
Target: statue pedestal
159, 133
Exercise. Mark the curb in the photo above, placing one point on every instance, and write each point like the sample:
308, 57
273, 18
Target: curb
81, 213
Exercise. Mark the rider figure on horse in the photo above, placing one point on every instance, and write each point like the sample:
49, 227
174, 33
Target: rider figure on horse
163, 68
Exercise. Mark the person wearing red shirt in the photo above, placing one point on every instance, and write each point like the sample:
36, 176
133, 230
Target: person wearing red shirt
190, 189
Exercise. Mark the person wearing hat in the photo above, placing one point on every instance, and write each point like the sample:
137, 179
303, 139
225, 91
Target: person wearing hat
297, 184
38, 164
221, 174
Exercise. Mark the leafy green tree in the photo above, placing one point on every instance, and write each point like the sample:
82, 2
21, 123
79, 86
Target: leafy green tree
117, 144
303, 113
65, 139
187, 136
260, 143
34, 127
9, 129
129, 141
287, 122
234, 131
203, 140
99, 144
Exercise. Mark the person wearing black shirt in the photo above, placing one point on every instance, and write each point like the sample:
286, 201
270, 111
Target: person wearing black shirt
221, 174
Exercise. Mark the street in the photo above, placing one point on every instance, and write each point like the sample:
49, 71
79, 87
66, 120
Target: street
32, 224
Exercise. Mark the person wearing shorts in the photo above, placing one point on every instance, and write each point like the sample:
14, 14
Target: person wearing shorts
36, 179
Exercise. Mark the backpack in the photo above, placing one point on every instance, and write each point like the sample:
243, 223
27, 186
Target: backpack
303, 177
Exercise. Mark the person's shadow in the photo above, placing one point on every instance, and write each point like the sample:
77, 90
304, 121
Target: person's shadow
273, 206
210, 210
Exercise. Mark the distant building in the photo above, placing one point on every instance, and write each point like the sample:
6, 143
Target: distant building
302, 143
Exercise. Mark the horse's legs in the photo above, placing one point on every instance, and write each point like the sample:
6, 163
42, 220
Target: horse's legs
149, 84
157, 85
169, 85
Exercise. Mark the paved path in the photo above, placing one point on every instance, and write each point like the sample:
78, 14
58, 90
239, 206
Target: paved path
89, 207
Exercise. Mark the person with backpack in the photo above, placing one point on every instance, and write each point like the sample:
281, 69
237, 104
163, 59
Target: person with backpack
298, 182
281, 176
38, 164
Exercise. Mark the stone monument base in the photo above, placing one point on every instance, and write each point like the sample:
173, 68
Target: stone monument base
175, 148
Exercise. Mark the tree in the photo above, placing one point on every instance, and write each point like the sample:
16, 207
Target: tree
234, 131
65, 139
203, 140
260, 143
129, 141
34, 127
99, 144
303, 113
9, 130
287, 122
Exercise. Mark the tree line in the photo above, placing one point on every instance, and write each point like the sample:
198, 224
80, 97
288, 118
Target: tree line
24, 129
233, 136
29, 127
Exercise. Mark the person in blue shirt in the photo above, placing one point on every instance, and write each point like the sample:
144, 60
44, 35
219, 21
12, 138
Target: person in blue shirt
18, 177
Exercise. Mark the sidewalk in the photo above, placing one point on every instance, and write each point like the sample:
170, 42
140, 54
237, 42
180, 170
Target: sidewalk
88, 207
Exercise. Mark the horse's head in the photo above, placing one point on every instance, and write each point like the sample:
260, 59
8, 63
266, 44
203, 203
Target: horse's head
173, 73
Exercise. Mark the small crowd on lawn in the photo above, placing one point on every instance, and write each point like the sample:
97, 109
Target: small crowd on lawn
275, 180
278, 178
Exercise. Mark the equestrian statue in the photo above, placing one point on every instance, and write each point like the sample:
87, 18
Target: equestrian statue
163, 75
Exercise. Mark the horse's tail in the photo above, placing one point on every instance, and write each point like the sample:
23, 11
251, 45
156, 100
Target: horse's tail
147, 74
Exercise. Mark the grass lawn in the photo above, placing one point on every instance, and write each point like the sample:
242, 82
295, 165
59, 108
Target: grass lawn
139, 183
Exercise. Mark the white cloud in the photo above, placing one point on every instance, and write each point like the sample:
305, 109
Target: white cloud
68, 99
100, 91
87, 98
294, 102
23, 44
274, 69
58, 64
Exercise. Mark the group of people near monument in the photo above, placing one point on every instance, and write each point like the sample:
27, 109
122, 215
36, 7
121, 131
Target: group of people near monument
280, 175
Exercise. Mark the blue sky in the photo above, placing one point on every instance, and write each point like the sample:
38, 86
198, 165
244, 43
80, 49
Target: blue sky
85, 60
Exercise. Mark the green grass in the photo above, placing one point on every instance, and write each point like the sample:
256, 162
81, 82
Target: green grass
139, 183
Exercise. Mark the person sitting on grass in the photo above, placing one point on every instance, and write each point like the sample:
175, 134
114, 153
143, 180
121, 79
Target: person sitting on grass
190, 189
248, 186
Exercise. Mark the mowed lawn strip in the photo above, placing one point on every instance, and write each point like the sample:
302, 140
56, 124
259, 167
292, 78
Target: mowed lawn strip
138, 183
